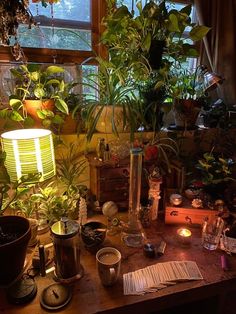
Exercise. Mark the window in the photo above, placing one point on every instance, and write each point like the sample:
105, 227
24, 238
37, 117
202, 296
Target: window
66, 32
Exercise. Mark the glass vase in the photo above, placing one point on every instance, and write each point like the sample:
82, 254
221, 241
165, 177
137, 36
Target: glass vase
132, 232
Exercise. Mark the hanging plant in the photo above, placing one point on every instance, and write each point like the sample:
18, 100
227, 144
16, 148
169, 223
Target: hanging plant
12, 13
45, 2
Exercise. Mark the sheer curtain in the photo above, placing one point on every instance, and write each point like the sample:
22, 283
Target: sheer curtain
219, 49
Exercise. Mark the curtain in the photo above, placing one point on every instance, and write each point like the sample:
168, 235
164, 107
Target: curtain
219, 49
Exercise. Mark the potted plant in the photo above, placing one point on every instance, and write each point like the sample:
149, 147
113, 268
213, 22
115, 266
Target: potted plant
132, 41
36, 92
111, 105
132, 38
187, 95
216, 173
15, 232
73, 122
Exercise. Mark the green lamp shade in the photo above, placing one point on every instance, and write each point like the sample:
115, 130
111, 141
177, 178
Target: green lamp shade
29, 152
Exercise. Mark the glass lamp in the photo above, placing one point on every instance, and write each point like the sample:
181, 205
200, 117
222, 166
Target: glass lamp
29, 151
211, 80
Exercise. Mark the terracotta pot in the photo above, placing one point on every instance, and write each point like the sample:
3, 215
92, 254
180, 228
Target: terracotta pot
104, 124
31, 106
14, 237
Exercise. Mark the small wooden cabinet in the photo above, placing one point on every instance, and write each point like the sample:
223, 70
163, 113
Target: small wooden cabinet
109, 181
185, 213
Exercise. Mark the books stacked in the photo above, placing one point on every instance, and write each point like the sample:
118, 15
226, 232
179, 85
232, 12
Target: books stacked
159, 276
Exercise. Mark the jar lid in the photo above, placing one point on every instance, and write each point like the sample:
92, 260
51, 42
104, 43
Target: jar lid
22, 291
65, 228
55, 296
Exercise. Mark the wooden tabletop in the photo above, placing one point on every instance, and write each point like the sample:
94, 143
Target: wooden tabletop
90, 296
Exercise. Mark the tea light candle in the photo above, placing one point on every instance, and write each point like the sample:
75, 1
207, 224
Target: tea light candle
176, 199
184, 235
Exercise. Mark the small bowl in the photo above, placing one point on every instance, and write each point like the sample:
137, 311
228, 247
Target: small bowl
93, 234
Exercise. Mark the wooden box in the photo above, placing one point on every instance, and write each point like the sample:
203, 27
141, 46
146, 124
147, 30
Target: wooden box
185, 213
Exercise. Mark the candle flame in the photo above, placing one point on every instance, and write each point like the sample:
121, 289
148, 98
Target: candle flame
184, 232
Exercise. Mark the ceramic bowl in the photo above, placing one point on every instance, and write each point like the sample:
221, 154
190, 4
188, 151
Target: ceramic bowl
93, 234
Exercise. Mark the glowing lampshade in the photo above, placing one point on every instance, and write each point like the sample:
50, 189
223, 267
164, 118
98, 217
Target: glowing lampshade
29, 151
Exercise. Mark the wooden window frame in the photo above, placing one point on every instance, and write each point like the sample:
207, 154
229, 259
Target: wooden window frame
45, 55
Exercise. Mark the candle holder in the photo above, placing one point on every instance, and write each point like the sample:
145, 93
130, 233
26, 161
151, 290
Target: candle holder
176, 199
184, 236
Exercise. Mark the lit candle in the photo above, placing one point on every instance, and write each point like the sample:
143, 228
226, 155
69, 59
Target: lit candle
184, 235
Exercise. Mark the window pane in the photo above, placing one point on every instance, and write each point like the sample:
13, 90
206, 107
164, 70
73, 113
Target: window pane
54, 35
55, 38
75, 10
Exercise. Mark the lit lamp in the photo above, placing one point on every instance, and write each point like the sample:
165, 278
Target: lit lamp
29, 154
29, 151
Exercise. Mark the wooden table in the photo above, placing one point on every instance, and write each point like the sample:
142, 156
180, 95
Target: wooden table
211, 295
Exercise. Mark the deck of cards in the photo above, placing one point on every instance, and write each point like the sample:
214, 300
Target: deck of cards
159, 276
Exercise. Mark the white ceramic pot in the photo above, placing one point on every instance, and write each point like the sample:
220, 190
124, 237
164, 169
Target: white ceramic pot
104, 124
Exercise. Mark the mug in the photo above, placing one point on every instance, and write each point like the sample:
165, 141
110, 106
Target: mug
108, 262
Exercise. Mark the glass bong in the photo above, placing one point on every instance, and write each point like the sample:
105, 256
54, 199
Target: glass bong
132, 232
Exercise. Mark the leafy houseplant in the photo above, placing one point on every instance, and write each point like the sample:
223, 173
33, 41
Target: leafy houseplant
130, 39
216, 173
44, 87
187, 93
112, 106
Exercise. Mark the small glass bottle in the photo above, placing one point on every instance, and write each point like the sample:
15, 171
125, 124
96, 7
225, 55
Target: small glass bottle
107, 155
101, 148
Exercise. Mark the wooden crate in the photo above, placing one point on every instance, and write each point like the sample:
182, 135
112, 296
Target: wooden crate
185, 213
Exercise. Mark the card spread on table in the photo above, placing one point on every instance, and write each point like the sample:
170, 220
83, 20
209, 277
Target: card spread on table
159, 276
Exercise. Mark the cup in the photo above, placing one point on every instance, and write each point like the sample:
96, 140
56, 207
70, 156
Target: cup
211, 233
108, 262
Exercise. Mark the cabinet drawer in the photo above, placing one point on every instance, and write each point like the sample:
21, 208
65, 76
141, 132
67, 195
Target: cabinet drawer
116, 196
112, 173
116, 184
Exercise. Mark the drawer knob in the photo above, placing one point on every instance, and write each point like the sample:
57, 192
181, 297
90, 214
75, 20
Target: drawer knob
125, 173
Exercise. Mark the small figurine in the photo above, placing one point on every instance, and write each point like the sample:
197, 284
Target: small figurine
197, 203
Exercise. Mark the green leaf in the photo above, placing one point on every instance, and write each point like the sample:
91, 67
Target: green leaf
173, 25
187, 9
53, 69
16, 116
57, 119
62, 106
39, 92
147, 42
34, 76
198, 32
53, 81
16, 103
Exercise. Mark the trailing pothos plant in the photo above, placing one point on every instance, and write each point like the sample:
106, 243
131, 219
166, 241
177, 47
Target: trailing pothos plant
10, 192
130, 37
34, 82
